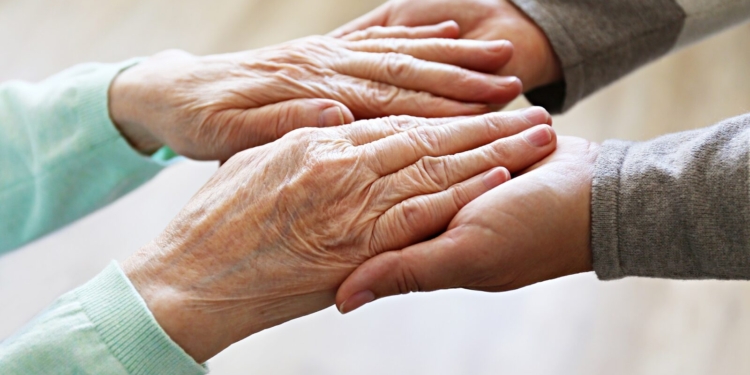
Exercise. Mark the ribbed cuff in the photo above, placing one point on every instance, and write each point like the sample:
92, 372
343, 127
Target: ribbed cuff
605, 193
93, 111
92, 106
128, 328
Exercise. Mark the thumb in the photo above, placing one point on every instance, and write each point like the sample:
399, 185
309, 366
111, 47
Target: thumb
432, 265
377, 17
271, 122
241, 129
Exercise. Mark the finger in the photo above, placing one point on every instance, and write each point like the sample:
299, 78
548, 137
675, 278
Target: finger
366, 131
368, 99
448, 29
434, 174
417, 218
442, 80
377, 17
440, 263
396, 152
484, 56
257, 126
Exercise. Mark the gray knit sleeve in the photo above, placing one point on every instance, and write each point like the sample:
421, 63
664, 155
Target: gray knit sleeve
674, 207
600, 41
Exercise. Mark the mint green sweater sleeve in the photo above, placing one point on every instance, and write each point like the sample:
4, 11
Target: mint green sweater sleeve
103, 327
61, 156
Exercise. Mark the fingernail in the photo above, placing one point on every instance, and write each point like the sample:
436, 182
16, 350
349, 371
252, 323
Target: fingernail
497, 45
496, 177
506, 81
538, 136
331, 117
536, 115
448, 24
356, 301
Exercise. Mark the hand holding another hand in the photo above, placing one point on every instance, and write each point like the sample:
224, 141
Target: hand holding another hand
279, 227
533, 228
534, 61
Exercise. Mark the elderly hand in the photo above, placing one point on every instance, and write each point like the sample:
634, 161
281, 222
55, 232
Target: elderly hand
533, 228
279, 227
534, 61
215, 106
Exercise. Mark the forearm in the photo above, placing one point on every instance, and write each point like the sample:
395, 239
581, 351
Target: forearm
598, 42
61, 156
103, 327
674, 207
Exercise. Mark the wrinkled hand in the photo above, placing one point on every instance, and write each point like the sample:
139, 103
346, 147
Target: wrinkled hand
533, 228
274, 233
534, 60
215, 106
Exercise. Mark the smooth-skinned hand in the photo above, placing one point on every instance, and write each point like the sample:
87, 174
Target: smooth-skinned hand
212, 107
533, 228
534, 61
278, 228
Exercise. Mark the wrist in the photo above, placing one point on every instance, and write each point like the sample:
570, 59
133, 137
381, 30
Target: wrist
168, 302
126, 108
535, 60
589, 158
197, 309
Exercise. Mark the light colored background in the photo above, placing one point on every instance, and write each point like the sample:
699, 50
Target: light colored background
571, 326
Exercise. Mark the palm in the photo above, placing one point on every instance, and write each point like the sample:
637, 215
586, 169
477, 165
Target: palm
534, 228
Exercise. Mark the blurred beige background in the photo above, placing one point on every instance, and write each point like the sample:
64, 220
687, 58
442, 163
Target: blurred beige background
571, 326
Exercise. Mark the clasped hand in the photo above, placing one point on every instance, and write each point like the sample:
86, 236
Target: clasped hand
279, 227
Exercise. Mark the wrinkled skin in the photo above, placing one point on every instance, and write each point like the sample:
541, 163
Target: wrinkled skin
533, 228
273, 234
215, 106
534, 61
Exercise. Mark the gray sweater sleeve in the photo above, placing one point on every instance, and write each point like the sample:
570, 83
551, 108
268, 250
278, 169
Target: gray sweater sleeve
599, 41
674, 207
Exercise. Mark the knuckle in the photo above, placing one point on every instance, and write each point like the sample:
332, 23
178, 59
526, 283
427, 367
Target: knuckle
385, 95
434, 172
500, 152
359, 35
316, 47
334, 167
449, 47
461, 196
398, 66
427, 138
465, 78
285, 122
402, 123
492, 125
412, 215
408, 282
499, 121
373, 32
364, 34
403, 275
425, 102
